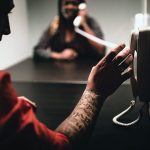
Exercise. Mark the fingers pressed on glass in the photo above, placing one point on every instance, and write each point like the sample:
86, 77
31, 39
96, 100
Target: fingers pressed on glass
114, 52
119, 48
125, 63
122, 56
111, 55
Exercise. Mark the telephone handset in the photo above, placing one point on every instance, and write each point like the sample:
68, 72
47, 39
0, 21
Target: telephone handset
143, 65
77, 22
78, 19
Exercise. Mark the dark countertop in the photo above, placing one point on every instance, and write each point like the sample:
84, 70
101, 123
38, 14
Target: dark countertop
56, 87
52, 71
55, 101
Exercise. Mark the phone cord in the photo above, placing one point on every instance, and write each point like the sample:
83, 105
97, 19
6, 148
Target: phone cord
115, 119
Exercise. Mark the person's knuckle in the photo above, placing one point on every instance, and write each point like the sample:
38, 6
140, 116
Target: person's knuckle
119, 57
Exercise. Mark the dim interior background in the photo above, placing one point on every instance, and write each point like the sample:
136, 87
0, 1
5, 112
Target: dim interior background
29, 19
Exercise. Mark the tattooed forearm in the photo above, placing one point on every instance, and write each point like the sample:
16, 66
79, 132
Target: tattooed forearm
83, 117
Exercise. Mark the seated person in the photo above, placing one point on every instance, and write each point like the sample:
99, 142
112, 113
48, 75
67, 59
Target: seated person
61, 42
19, 127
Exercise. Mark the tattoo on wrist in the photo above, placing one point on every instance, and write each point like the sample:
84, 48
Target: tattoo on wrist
83, 116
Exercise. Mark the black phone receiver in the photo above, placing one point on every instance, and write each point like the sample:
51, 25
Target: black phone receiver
143, 65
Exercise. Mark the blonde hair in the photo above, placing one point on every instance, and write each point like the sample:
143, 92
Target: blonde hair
54, 25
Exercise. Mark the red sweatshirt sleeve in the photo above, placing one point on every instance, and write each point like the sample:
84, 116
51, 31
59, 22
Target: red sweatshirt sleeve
19, 126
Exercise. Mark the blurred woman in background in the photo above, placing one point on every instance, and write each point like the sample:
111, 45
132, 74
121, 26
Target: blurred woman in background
61, 42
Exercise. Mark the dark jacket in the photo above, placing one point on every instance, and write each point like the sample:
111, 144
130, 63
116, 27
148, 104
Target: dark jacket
53, 38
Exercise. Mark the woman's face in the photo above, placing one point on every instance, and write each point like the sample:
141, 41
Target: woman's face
69, 9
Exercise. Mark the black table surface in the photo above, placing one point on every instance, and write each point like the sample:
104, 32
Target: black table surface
55, 101
52, 71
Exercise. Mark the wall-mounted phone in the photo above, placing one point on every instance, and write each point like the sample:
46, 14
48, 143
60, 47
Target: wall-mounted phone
140, 42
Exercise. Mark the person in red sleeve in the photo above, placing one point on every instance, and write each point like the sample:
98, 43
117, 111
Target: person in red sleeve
21, 129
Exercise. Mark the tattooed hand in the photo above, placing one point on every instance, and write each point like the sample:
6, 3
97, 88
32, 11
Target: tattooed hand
109, 73
103, 80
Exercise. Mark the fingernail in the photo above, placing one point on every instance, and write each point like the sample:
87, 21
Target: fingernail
122, 45
129, 57
130, 70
